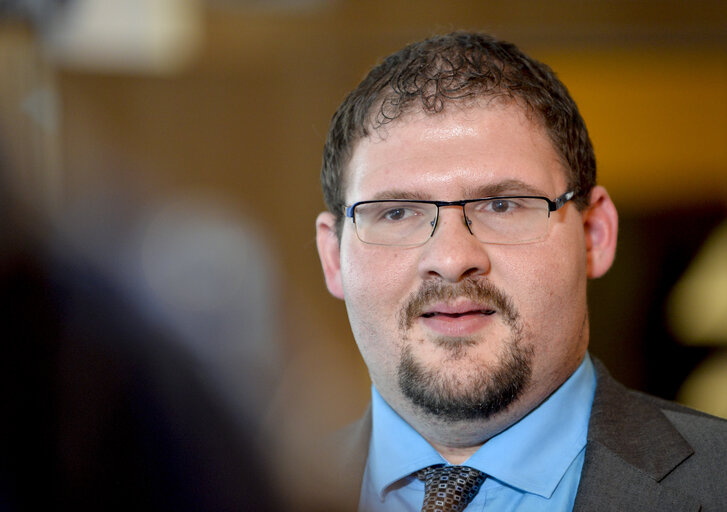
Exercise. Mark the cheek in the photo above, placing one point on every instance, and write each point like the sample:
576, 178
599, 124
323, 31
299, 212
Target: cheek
373, 272
550, 293
376, 281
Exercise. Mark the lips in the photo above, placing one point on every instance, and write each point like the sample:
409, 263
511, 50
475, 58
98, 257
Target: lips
458, 310
457, 319
458, 315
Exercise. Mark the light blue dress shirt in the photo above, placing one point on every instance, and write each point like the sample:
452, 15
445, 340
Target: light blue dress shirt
535, 465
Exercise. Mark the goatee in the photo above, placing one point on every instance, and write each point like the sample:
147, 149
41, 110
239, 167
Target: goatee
477, 393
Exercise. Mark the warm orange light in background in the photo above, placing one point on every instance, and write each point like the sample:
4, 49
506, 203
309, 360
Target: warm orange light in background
658, 120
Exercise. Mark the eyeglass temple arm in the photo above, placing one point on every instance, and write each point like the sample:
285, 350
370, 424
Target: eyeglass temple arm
560, 201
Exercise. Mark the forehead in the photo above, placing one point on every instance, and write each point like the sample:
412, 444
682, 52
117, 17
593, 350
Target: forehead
455, 154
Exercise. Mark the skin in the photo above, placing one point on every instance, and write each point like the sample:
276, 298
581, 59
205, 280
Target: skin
457, 154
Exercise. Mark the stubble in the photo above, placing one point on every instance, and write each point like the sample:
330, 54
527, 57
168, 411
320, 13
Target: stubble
477, 392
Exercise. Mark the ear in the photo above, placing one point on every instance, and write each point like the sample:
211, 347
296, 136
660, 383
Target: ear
600, 224
329, 251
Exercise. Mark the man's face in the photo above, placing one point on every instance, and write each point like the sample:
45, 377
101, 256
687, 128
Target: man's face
457, 329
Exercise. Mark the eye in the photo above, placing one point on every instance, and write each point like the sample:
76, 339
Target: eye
398, 213
501, 205
391, 212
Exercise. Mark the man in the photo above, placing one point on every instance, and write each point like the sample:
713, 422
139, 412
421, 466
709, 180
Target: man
463, 223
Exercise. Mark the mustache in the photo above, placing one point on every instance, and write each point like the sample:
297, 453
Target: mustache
476, 290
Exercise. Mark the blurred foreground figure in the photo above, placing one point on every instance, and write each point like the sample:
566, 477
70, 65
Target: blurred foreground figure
138, 351
463, 224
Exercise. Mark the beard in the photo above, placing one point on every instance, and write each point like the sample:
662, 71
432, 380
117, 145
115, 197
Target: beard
474, 393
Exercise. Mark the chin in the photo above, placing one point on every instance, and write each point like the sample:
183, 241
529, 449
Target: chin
458, 391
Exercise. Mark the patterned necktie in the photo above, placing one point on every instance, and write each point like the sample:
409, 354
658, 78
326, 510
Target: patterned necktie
449, 488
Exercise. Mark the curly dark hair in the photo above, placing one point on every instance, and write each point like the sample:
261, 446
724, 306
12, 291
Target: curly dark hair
449, 68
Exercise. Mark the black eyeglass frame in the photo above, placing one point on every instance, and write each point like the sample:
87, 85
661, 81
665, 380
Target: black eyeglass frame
553, 205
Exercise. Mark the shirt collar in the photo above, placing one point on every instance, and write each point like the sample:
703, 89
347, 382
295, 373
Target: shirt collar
518, 456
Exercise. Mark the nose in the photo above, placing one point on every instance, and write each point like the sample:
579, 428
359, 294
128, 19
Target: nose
453, 253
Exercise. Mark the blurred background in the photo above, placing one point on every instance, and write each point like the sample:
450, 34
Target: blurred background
159, 162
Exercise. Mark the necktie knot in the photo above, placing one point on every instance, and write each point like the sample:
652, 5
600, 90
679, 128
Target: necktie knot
449, 488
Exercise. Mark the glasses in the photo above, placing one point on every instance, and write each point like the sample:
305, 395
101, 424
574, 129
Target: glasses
492, 220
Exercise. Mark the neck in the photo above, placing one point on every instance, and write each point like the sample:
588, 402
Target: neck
458, 441
453, 454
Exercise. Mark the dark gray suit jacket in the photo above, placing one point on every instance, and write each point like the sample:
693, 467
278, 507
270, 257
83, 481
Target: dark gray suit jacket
643, 454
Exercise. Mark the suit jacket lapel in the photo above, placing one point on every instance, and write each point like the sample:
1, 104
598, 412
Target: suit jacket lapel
631, 447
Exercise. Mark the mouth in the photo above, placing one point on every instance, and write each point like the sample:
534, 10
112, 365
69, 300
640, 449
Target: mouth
458, 309
433, 314
470, 307
457, 319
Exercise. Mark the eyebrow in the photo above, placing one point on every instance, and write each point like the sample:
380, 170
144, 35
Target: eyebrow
505, 187
400, 194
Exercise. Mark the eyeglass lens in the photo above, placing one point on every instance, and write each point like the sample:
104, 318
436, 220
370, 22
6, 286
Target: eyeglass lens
506, 220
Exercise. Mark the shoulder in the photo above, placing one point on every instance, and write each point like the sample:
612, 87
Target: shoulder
653, 450
341, 464
703, 472
349, 446
616, 406
693, 424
